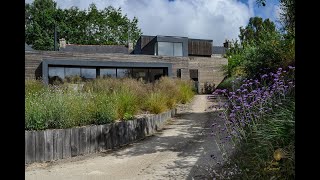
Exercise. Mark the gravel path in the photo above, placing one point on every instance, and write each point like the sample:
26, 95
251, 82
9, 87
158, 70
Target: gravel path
181, 151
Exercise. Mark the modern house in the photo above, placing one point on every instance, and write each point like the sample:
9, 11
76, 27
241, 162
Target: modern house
151, 58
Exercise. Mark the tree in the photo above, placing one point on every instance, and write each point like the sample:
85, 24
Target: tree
255, 31
287, 17
40, 23
262, 48
92, 26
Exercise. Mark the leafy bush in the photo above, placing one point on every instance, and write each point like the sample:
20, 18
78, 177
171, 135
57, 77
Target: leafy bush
104, 109
259, 121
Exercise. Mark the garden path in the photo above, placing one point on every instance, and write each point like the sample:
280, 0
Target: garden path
182, 150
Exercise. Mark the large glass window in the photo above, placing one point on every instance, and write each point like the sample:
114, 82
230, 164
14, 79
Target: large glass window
108, 72
124, 72
165, 49
56, 74
72, 71
88, 73
168, 49
155, 74
177, 49
56, 71
140, 73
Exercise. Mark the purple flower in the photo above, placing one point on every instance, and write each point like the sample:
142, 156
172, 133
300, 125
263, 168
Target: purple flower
264, 76
232, 115
291, 67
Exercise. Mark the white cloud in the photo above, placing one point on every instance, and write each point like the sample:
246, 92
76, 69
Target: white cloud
204, 19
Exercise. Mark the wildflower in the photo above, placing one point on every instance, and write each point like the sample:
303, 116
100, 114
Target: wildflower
290, 67
264, 76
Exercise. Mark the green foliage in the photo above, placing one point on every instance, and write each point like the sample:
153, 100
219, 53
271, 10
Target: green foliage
230, 83
156, 102
275, 132
261, 49
100, 101
92, 26
126, 103
104, 109
33, 86
186, 92
254, 32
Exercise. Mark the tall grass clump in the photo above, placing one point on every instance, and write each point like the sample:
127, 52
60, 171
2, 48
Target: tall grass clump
157, 102
33, 86
99, 101
170, 93
126, 103
259, 121
186, 91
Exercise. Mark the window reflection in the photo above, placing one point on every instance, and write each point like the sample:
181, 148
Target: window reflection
88, 73
124, 72
56, 74
72, 71
168, 49
155, 74
108, 72
177, 49
140, 73
165, 49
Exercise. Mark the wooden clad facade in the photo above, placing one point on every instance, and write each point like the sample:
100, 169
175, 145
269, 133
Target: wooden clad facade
197, 47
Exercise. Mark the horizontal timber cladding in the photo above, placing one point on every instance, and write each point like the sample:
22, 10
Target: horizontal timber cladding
197, 47
54, 144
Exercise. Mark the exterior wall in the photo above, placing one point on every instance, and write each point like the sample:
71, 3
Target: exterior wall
199, 47
208, 67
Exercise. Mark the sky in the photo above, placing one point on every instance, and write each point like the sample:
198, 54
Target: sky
217, 20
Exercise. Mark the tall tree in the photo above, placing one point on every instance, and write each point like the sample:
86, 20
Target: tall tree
91, 26
287, 16
40, 24
255, 31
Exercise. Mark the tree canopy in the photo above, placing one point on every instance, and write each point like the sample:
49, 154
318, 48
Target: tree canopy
92, 26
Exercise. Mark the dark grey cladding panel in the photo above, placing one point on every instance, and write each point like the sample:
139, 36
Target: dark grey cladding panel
95, 48
218, 50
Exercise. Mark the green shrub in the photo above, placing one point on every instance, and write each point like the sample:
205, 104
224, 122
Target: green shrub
186, 92
126, 103
230, 83
156, 102
44, 110
276, 132
104, 109
33, 86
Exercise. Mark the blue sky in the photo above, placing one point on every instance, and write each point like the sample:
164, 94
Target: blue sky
268, 11
205, 19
